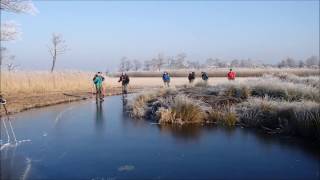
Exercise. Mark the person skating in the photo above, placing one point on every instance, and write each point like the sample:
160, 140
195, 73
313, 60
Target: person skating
98, 82
191, 77
204, 76
124, 79
2, 100
166, 79
231, 75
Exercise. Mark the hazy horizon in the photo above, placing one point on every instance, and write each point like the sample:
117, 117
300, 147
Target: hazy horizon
100, 33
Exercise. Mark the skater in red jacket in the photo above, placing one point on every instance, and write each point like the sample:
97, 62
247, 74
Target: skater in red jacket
231, 75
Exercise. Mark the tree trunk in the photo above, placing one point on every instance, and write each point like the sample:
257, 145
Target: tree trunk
53, 63
54, 58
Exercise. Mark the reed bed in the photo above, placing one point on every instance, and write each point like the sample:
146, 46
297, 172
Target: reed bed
34, 82
45, 82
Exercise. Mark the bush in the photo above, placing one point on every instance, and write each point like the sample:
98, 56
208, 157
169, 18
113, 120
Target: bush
183, 110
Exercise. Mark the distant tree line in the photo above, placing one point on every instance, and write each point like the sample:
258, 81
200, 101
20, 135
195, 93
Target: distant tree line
180, 61
312, 61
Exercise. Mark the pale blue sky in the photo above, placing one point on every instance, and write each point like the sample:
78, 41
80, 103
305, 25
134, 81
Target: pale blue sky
99, 33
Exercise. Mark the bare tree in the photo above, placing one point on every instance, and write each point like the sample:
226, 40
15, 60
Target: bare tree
193, 65
128, 65
246, 63
7, 59
159, 62
3, 51
9, 29
235, 63
169, 62
136, 65
313, 61
10, 65
288, 62
301, 64
57, 47
18, 6
214, 62
122, 64
125, 64
210, 62
179, 61
147, 65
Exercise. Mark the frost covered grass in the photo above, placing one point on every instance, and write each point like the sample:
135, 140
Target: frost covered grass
271, 87
139, 105
284, 90
268, 103
313, 81
201, 84
142, 102
221, 72
182, 110
298, 118
222, 117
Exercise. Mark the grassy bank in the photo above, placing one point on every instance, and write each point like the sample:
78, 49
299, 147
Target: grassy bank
24, 89
281, 104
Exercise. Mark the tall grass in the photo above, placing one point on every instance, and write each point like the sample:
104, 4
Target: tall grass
276, 88
138, 106
313, 81
271, 87
222, 117
301, 118
42, 82
183, 110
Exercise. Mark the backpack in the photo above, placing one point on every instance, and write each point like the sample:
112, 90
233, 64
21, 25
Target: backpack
166, 77
126, 79
205, 76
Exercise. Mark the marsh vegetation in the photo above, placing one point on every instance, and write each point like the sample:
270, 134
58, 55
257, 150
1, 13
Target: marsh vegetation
275, 103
